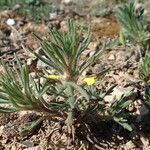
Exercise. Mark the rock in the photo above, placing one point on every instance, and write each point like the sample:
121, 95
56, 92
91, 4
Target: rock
129, 145
41, 64
14, 146
91, 53
111, 57
145, 142
66, 1
109, 99
34, 148
27, 143
117, 93
93, 46
64, 138
22, 113
121, 56
10, 22
52, 15
1, 130
138, 6
33, 74
9, 125
46, 97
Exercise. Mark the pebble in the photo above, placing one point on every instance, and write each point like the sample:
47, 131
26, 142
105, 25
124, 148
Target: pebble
10, 22
34, 148
66, 1
27, 143
111, 57
41, 64
93, 46
91, 53
129, 145
117, 94
1, 130
53, 15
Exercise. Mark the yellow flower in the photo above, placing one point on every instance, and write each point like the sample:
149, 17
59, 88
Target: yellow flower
90, 80
53, 76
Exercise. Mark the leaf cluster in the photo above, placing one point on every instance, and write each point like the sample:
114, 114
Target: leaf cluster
35, 10
144, 74
133, 23
62, 51
67, 98
144, 69
20, 90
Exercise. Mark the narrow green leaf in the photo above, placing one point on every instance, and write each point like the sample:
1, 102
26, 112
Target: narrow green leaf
32, 127
79, 89
123, 123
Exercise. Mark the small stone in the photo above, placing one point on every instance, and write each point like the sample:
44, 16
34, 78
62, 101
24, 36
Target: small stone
46, 97
145, 142
1, 130
27, 143
29, 61
22, 113
53, 15
41, 64
10, 125
66, 1
116, 94
42, 80
64, 138
129, 145
10, 22
108, 99
34, 148
93, 46
33, 74
138, 6
120, 56
111, 57
91, 53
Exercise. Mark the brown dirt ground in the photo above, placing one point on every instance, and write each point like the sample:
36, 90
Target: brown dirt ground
49, 135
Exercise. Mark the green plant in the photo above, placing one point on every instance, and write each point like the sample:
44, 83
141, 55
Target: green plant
135, 29
76, 102
35, 10
144, 74
19, 89
144, 69
63, 52
134, 26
